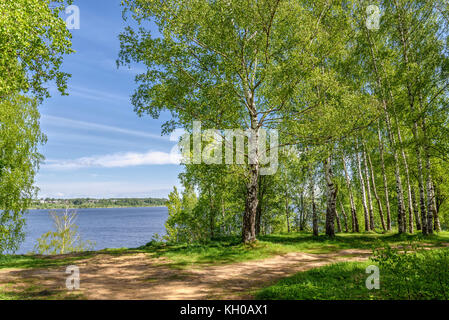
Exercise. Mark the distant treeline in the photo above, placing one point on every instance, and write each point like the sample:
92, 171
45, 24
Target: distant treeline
49, 203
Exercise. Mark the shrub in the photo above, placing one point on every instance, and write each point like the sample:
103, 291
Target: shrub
65, 239
413, 273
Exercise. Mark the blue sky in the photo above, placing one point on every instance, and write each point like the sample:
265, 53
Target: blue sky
97, 146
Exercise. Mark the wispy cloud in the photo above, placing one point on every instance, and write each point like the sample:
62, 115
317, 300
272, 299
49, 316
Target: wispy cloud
64, 122
97, 95
117, 160
102, 189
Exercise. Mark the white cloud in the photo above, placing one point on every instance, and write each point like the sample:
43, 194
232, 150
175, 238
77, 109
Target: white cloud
117, 160
64, 122
97, 95
102, 189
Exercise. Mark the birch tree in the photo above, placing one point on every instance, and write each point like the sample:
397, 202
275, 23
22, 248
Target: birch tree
229, 64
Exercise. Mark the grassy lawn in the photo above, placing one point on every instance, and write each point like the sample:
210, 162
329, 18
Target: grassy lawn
32, 291
338, 281
229, 250
38, 261
420, 275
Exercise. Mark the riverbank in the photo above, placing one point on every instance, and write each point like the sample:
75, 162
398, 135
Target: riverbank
89, 203
220, 269
91, 207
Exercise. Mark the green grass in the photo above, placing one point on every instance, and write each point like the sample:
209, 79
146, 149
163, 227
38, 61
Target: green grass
48, 261
417, 275
340, 281
38, 261
35, 292
229, 250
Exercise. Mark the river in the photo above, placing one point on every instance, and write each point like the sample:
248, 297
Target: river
108, 227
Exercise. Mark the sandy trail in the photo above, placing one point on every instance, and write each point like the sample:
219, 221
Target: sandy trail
137, 276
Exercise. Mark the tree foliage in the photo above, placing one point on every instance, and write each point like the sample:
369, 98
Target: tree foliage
65, 238
20, 137
33, 41
361, 112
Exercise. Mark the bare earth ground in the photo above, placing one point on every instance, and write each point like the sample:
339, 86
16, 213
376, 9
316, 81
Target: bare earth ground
137, 276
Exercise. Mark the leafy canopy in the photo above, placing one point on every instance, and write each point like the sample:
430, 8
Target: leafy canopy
20, 137
33, 41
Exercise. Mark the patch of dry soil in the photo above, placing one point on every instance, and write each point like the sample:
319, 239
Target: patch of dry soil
139, 277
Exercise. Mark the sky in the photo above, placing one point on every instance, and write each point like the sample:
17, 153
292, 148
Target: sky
97, 145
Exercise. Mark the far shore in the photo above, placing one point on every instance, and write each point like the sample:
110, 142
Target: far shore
92, 203
101, 207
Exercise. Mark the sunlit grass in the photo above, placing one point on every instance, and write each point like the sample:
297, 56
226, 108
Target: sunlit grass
331, 282
40, 261
230, 250
30, 290
340, 281
413, 276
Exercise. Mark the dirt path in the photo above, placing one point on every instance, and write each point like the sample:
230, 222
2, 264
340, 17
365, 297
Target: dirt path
139, 277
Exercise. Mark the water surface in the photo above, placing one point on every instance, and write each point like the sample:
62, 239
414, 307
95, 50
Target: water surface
108, 228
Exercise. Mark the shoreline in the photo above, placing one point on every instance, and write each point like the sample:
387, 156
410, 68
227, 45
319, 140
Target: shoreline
100, 207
